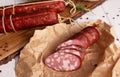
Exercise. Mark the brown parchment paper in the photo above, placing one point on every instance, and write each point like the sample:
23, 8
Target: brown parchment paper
102, 58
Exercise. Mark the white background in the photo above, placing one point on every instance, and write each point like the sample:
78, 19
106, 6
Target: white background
109, 12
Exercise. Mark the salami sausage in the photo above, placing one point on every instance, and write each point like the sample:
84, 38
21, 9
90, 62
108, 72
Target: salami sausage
29, 21
76, 50
92, 35
63, 61
83, 39
79, 53
76, 47
80, 42
56, 6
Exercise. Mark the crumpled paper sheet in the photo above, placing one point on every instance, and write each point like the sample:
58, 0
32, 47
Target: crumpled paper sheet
102, 58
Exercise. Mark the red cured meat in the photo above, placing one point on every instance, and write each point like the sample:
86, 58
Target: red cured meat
63, 61
76, 47
78, 53
29, 21
76, 50
56, 6
83, 39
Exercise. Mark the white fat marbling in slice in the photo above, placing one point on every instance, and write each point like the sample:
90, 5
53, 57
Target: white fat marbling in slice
66, 64
48, 60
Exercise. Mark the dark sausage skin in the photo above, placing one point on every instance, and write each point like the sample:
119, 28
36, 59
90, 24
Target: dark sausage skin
56, 6
29, 21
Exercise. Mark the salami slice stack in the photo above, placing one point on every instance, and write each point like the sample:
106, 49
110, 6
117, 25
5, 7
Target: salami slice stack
70, 54
61, 61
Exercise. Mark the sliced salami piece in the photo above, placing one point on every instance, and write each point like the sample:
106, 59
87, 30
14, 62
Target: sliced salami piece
63, 62
70, 54
73, 49
73, 44
80, 41
84, 39
64, 44
76, 52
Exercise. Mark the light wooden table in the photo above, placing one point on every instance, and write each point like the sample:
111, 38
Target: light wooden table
109, 12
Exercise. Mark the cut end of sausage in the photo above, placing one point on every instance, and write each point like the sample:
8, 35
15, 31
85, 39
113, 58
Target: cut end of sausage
70, 54
69, 47
63, 62
79, 53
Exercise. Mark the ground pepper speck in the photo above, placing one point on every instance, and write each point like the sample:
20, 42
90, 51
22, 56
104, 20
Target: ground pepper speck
117, 39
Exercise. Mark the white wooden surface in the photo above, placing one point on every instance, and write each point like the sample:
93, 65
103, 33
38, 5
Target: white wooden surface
109, 12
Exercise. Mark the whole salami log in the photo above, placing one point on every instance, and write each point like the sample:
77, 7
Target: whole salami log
76, 45
28, 21
56, 6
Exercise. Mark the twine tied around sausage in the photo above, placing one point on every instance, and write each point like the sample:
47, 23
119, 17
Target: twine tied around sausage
71, 3
68, 2
69, 19
10, 17
13, 13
